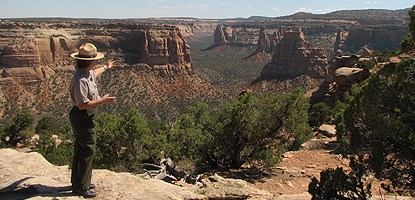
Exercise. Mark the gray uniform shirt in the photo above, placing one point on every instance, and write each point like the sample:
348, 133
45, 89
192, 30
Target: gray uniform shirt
83, 87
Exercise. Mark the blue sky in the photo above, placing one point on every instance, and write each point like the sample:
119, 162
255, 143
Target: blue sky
212, 9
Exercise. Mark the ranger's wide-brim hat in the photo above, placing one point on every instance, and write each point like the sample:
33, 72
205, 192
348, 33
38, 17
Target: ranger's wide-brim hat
87, 51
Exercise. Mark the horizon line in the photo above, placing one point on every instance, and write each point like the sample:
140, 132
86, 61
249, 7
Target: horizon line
195, 18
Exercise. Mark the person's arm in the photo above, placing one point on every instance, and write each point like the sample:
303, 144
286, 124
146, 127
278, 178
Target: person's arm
108, 66
90, 104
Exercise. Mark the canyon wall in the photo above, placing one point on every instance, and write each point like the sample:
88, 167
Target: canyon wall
339, 32
352, 40
30, 54
293, 57
334, 40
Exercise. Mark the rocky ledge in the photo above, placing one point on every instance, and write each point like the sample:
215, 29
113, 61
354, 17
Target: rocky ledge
29, 175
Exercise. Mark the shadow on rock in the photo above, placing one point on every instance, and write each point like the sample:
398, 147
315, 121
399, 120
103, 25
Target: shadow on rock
16, 191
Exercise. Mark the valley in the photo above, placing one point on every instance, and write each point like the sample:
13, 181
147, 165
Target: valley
168, 64
251, 67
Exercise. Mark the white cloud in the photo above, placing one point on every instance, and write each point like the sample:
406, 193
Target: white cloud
315, 11
203, 6
226, 3
187, 6
370, 2
276, 8
159, 13
165, 7
308, 10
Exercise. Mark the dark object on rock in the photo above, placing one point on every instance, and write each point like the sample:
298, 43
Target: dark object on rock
168, 172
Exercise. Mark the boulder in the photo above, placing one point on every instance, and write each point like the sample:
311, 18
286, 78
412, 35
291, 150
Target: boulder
327, 130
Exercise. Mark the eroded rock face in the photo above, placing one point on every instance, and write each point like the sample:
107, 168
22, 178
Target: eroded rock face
353, 40
293, 57
28, 56
222, 35
167, 50
264, 43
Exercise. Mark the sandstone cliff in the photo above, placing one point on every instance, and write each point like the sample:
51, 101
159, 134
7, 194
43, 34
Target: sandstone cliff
29, 175
293, 57
238, 35
264, 44
222, 35
28, 56
353, 40
336, 32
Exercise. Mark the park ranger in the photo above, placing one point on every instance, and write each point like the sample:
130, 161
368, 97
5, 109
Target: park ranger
85, 99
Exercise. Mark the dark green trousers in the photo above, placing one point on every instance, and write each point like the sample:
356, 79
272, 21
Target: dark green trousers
82, 122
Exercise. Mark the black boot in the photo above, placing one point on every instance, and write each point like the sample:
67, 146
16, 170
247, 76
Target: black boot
85, 193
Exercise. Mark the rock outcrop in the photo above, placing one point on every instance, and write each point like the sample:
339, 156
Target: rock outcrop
222, 35
264, 43
29, 175
167, 51
293, 57
344, 73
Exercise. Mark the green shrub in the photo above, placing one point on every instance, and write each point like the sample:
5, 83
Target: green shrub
378, 124
191, 136
19, 129
319, 113
47, 124
61, 154
337, 184
256, 127
123, 143
251, 129
366, 64
408, 43
57, 154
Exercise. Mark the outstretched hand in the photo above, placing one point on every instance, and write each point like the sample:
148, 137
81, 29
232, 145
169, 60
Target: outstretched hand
111, 64
108, 99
